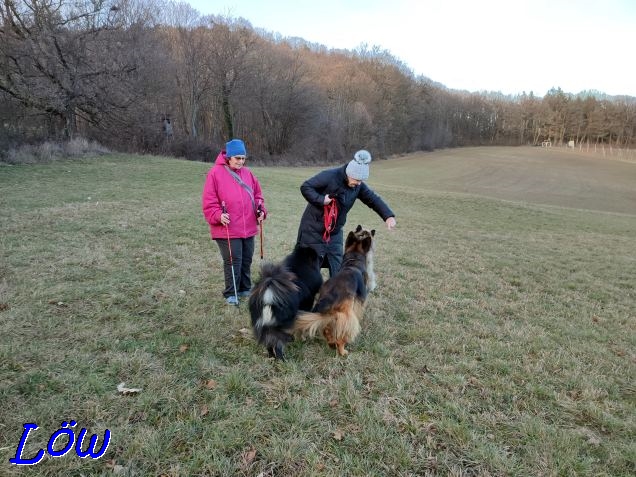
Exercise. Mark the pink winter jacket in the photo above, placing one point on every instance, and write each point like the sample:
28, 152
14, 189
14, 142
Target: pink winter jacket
220, 187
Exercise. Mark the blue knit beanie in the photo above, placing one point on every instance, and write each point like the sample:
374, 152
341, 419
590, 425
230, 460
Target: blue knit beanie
358, 167
235, 147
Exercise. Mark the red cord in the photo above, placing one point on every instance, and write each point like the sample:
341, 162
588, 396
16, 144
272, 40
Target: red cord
330, 217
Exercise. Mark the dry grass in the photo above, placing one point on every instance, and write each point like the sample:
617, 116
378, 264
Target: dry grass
52, 151
500, 340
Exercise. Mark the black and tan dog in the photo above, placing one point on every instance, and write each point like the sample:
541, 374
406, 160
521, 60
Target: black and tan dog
340, 306
282, 290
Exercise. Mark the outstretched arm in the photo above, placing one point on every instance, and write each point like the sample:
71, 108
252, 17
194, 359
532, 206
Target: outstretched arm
375, 202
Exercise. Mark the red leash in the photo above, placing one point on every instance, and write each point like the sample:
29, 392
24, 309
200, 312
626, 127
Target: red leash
261, 239
330, 217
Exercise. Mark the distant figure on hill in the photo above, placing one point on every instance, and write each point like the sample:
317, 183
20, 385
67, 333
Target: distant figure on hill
167, 128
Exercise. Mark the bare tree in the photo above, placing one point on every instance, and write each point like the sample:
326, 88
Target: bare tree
231, 44
66, 58
188, 42
280, 94
117, 70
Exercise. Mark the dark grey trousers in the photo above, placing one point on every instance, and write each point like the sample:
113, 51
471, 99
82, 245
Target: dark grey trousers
332, 261
242, 252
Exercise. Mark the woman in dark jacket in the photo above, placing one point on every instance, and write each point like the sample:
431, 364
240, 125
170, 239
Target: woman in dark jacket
336, 190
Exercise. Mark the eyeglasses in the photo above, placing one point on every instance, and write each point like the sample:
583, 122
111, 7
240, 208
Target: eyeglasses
240, 158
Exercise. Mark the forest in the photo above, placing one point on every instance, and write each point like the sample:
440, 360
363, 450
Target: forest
158, 77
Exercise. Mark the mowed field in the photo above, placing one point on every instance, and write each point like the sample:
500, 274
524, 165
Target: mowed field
500, 340
553, 176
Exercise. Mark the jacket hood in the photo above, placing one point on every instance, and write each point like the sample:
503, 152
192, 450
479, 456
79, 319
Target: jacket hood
220, 159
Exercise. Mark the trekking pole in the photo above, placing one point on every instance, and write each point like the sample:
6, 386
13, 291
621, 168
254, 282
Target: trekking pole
259, 212
229, 246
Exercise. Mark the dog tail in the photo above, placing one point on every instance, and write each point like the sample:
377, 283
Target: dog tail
274, 288
343, 319
273, 305
278, 280
309, 324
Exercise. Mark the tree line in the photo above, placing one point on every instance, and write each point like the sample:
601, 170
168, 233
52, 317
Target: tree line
157, 76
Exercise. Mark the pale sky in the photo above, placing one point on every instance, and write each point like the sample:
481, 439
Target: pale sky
509, 46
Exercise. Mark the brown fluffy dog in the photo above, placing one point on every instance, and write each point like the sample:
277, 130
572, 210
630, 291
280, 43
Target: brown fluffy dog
338, 312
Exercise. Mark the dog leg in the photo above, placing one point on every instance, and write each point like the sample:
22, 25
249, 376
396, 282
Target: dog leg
328, 334
276, 352
279, 350
340, 344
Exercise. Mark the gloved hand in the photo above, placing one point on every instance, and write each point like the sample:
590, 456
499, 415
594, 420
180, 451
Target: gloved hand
337, 197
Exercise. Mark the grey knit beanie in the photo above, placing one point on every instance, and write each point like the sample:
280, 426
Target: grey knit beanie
358, 167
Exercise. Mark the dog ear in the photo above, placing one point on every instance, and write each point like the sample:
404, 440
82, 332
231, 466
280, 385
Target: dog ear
351, 238
372, 232
358, 228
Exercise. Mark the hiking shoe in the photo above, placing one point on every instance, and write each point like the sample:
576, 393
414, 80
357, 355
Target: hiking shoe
231, 300
244, 293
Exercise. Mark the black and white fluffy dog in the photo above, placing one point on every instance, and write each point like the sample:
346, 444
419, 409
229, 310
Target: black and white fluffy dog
282, 290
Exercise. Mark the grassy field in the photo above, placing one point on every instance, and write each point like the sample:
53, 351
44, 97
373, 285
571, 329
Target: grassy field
500, 341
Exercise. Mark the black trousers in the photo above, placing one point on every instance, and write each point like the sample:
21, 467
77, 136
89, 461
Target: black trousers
242, 253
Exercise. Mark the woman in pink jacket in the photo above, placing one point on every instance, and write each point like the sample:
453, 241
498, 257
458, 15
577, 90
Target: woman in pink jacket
234, 207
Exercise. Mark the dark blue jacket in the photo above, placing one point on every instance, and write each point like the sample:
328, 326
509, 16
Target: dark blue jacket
334, 183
